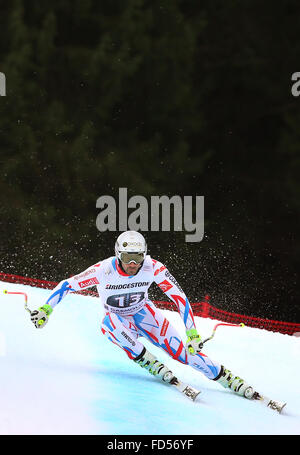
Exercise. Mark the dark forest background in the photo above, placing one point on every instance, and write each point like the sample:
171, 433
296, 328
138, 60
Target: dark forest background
163, 98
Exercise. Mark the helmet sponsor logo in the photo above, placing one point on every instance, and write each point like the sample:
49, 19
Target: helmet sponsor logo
132, 244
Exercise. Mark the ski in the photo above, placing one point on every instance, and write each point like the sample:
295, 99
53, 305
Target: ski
185, 389
266, 401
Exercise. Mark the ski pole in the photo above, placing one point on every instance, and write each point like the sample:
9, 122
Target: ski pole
20, 293
218, 325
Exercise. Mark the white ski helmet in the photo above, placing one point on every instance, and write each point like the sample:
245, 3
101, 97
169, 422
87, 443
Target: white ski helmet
131, 247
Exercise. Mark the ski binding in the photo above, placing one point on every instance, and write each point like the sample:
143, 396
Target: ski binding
186, 389
266, 401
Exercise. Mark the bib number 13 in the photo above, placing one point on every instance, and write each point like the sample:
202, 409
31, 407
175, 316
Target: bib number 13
125, 300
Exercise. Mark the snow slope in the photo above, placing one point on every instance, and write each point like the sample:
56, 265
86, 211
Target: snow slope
69, 379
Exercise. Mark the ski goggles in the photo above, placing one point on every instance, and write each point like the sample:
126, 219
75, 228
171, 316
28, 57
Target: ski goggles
132, 257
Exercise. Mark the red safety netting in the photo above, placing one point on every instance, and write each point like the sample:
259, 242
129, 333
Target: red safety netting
203, 308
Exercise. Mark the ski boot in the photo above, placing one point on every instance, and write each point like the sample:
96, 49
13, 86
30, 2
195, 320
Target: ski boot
235, 383
149, 362
239, 386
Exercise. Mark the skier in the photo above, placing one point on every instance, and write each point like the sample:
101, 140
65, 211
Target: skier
122, 282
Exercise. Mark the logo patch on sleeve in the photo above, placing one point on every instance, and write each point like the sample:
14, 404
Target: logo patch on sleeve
90, 282
165, 285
